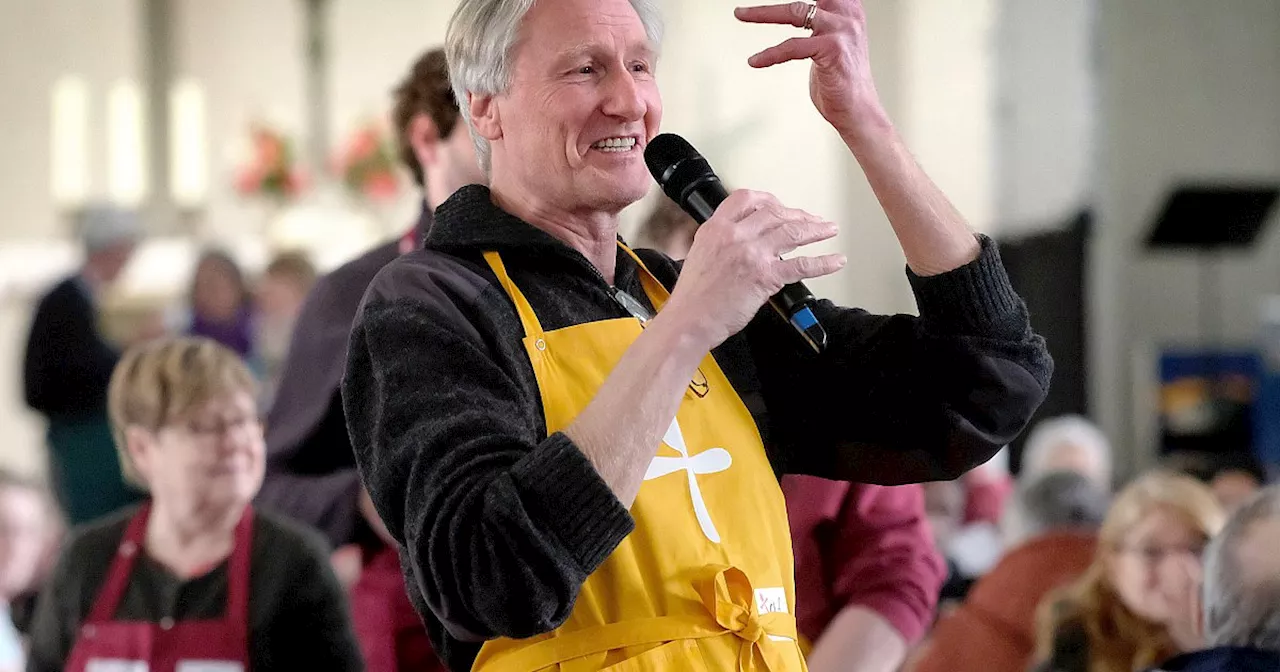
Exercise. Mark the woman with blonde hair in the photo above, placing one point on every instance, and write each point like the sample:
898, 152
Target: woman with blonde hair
1137, 604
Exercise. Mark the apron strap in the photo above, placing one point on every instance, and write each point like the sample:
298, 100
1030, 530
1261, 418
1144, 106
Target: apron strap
532, 328
238, 572
104, 606
658, 294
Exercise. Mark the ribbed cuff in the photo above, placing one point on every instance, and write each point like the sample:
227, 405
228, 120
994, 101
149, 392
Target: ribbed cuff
974, 298
567, 494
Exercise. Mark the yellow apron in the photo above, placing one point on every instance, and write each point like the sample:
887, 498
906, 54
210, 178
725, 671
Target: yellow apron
705, 581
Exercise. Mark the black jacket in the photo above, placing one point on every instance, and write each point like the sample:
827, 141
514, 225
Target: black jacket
311, 472
68, 363
501, 524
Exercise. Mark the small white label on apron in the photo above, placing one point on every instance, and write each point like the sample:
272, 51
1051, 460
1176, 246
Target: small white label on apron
209, 666
115, 665
771, 601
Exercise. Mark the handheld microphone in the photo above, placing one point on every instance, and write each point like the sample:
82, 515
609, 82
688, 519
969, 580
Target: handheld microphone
687, 178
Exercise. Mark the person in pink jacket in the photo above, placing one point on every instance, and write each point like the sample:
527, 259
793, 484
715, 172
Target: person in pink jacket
867, 572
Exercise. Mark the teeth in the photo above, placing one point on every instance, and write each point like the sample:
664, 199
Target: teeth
615, 144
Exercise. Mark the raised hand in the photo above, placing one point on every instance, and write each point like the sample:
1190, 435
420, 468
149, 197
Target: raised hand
840, 82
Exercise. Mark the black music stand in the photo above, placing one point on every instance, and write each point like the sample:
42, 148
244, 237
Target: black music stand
1213, 221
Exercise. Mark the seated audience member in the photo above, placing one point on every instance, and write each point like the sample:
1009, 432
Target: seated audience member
194, 578
23, 517
994, 630
221, 303
867, 572
279, 296
1241, 615
1129, 610
1067, 443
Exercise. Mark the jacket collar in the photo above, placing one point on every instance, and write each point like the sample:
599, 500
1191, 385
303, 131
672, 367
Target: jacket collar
469, 222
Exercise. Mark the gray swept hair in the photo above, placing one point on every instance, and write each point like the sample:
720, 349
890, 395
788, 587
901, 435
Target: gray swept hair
480, 45
1241, 608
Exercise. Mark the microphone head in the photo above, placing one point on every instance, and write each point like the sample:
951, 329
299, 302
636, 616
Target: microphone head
675, 164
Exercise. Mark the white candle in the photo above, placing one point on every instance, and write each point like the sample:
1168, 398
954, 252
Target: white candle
69, 142
126, 147
189, 158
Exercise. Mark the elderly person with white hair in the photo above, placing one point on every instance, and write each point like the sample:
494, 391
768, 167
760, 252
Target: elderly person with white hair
1067, 443
1241, 613
578, 455
68, 364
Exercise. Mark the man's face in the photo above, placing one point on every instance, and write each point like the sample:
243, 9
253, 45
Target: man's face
582, 105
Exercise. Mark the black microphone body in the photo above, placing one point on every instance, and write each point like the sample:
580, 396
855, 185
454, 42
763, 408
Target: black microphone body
687, 178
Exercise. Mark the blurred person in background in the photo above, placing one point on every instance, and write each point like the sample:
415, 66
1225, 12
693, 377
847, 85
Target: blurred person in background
1234, 477
1134, 606
1057, 514
67, 366
867, 572
194, 576
24, 518
278, 297
668, 229
221, 303
311, 471
1067, 443
1241, 614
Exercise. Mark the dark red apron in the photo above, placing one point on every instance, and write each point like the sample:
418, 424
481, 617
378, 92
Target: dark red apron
215, 645
389, 630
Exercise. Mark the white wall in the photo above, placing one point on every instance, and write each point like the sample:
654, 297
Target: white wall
1046, 105
1189, 91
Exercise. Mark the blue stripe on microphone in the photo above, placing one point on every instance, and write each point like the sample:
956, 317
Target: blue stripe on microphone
804, 318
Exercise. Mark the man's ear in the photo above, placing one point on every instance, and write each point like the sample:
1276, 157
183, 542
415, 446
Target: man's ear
424, 137
485, 116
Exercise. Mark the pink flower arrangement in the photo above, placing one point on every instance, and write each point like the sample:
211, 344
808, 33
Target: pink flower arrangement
271, 170
367, 164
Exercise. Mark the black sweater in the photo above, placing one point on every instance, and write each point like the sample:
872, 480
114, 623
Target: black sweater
500, 524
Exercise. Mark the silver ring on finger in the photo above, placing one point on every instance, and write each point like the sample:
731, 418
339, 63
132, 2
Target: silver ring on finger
808, 19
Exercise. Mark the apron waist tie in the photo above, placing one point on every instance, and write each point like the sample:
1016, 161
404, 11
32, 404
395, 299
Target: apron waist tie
730, 606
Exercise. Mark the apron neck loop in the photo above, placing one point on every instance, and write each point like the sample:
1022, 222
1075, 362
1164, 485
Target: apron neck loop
532, 328
658, 294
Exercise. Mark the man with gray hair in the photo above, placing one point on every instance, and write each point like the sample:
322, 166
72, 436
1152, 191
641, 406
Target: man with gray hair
1241, 593
68, 364
578, 455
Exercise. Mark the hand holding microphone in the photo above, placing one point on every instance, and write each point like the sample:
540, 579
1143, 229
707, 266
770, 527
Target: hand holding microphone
736, 263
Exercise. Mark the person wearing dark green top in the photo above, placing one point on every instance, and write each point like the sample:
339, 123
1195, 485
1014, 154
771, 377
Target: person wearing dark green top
67, 365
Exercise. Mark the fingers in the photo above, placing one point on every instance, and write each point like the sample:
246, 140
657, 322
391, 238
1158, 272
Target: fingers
794, 49
791, 13
803, 268
797, 230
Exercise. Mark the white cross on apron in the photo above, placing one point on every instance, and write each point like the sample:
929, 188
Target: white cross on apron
707, 462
